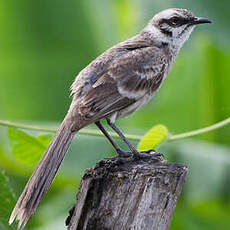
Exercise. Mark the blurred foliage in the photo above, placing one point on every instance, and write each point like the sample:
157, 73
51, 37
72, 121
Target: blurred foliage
7, 201
44, 44
27, 149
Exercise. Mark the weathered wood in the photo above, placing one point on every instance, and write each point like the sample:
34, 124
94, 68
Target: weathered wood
133, 195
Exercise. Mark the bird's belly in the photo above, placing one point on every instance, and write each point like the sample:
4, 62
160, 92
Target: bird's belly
134, 107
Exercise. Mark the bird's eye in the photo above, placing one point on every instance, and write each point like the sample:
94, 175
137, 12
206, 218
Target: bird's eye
175, 21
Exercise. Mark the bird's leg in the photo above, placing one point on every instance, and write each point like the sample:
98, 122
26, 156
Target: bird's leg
121, 135
147, 154
119, 151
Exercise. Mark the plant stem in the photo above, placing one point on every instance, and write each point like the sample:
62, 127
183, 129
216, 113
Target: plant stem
200, 131
93, 132
24, 126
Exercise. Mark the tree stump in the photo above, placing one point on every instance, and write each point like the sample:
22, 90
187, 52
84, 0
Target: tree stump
138, 194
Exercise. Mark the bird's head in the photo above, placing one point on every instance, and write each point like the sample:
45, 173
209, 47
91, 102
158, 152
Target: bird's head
174, 26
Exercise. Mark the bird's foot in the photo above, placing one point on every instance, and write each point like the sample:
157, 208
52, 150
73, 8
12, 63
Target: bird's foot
149, 154
123, 154
153, 152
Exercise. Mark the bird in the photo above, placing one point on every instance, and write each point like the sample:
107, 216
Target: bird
114, 85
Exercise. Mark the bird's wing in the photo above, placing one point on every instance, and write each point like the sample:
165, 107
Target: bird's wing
102, 101
139, 71
97, 68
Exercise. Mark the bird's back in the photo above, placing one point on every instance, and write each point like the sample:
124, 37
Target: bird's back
124, 75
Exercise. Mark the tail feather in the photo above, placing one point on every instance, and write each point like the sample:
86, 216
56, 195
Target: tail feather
42, 176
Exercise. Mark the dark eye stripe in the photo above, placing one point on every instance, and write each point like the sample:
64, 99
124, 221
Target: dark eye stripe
175, 21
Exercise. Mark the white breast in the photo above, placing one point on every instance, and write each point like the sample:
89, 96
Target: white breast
134, 107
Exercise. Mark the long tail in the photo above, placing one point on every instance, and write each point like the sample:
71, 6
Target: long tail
43, 175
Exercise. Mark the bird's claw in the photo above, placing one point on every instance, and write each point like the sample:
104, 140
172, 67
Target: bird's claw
143, 154
153, 152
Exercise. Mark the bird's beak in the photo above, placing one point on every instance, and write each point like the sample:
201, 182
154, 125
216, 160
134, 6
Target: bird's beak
199, 20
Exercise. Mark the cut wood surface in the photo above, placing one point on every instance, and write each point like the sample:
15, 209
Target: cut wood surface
137, 194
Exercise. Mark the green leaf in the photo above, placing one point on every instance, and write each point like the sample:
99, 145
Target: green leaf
153, 137
25, 148
45, 139
7, 202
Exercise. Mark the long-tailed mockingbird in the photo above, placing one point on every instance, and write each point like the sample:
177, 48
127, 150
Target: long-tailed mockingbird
114, 85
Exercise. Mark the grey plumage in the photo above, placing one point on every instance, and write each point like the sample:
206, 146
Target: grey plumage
115, 84
125, 75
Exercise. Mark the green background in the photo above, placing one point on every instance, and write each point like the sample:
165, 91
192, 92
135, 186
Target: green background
43, 46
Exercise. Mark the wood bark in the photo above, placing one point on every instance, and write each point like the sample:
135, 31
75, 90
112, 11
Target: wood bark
137, 194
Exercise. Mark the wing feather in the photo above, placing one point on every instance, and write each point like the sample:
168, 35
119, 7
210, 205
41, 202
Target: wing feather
135, 70
102, 101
